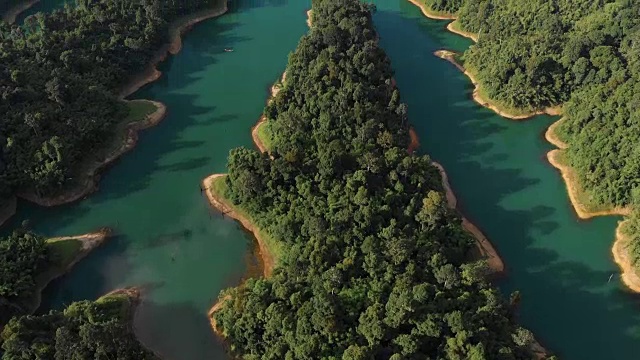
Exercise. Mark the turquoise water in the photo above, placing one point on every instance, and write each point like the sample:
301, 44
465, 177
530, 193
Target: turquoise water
168, 239
497, 168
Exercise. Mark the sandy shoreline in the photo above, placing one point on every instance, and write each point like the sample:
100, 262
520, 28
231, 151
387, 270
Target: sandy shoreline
226, 209
430, 14
449, 56
621, 256
551, 136
151, 73
90, 241
483, 244
573, 188
275, 89
12, 14
451, 27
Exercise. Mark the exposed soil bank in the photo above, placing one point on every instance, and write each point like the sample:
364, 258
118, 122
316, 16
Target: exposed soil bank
619, 250
177, 30
551, 136
574, 189
90, 179
454, 28
450, 57
217, 306
89, 241
484, 246
431, 14
12, 14
275, 89
220, 203
621, 256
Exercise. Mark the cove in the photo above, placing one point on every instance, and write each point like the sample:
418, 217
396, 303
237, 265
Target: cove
167, 238
498, 169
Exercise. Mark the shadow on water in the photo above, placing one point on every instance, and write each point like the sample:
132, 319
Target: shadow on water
168, 238
498, 170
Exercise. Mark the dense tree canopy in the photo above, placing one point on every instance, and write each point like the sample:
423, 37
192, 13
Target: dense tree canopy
85, 330
376, 265
60, 75
583, 54
22, 256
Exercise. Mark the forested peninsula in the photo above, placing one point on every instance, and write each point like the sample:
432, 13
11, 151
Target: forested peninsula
582, 56
84, 330
62, 76
371, 261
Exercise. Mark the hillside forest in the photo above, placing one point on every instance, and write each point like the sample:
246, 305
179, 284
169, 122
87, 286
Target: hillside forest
60, 76
376, 265
583, 55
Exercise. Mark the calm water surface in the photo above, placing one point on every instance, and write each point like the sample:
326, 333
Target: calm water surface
499, 172
496, 166
168, 240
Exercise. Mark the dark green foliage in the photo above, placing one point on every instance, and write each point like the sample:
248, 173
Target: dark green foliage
22, 256
375, 266
583, 54
60, 75
85, 330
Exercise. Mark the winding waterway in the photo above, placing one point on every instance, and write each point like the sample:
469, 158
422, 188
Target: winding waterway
170, 241
498, 169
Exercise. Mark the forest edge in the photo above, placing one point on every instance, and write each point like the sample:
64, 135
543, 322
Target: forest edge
89, 183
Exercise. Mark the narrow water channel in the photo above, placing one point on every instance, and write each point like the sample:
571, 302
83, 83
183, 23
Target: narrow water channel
498, 169
168, 240
171, 242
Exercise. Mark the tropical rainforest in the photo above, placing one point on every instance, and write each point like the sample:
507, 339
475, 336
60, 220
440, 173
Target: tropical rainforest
376, 265
60, 77
84, 330
583, 55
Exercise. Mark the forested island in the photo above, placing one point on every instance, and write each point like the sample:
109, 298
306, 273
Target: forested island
582, 56
62, 77
371, 262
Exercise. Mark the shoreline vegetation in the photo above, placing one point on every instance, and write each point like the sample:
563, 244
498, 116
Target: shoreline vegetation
494, 261
489, 104
89, 183
622, 258
12, 14
486, 250
258, 139
88, 243
222, 204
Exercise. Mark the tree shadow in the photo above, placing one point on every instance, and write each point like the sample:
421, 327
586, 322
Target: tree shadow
498, 171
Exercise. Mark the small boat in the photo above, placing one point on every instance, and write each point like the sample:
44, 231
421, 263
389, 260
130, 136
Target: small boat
228, 50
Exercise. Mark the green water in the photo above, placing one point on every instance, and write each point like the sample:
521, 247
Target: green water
497, 168
499, 172
152, 197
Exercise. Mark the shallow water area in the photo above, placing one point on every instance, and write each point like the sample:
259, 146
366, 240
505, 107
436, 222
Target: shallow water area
498, 169
168, 239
